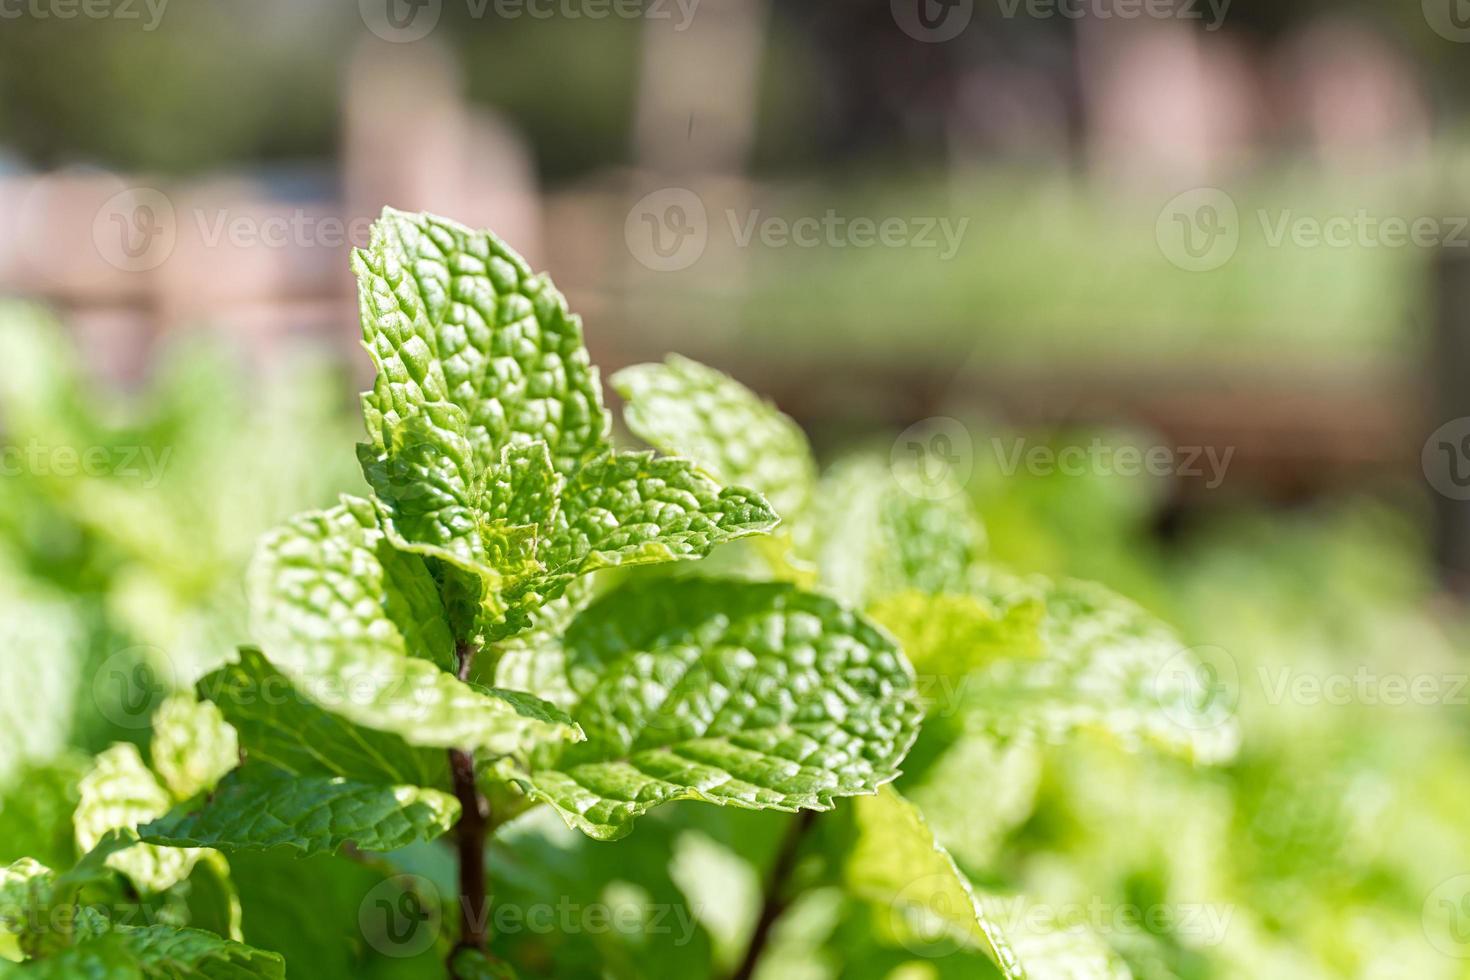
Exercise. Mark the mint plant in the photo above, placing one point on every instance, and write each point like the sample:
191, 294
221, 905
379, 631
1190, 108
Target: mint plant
369, 714
435, 659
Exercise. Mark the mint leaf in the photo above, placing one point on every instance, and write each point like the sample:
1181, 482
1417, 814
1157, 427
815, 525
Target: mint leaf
187, 953
745, 694
281, 728
192, 745
637, 508
872, 538
322, 606
118, 794
684, 408
949, 636
258, 807
454, 315
1106, 666
154, 953
489, 442
897, 863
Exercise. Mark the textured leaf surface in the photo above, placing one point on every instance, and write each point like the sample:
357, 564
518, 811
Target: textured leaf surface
192, 745
257, 807
684, 408
119, 793
166, 952
454, 315
752, 695
154, 953
321, 605
635, 508
630, 509
279, 727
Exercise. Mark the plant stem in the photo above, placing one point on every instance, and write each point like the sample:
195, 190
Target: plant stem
775, 901
472, 829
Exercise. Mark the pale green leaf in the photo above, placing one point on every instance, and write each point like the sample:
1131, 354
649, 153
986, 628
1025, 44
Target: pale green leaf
321, 608
897, 862
755, 695
1106, 666
280, 727
947, 636
636, 508
873, 538
454, 315
119, 793
192, 745
684, 408
258, 807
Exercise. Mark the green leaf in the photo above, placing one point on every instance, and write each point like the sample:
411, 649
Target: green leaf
637, 508
119, 793
949, 636
684, 408
322, 605
454, 315
36, 813
434, 502
755, 695
258, 807
975, 793
489, 443
192, 746
872, 538
27, 892
896, 862
154, 953
280, 727
1106, 666
163, 951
